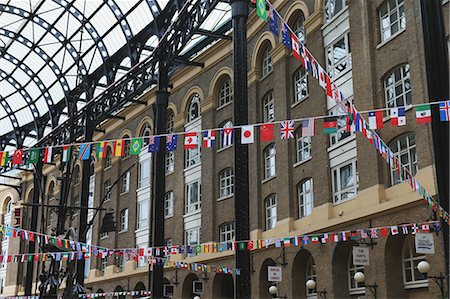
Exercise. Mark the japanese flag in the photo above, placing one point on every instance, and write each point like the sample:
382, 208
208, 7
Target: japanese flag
247, 134
322, 75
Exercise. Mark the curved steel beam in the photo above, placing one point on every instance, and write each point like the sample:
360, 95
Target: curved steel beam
12, 117
121, 20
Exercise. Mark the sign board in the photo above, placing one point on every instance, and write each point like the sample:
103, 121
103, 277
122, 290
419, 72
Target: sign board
360, 256
197, 287
273, 273
424, 243
168, 290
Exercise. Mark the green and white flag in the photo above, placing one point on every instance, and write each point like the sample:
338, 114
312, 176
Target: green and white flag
66, 153
261, 10
135, 146
33, 155
423, 114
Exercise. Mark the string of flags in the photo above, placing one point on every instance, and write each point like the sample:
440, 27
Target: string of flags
116, 294
354, 119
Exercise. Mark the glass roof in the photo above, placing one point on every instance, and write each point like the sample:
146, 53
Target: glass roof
46, 46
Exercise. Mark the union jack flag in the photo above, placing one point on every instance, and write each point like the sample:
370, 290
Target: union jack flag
209, 138
287, 129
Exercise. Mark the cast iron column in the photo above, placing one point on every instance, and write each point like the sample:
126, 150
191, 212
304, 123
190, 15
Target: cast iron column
239, 13
159, 179
37, 178
436, 62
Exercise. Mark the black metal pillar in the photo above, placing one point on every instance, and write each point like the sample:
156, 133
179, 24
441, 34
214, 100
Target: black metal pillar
37, 179
159, 179
436, 62
239, 13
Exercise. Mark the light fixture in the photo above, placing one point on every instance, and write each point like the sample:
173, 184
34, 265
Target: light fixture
424, 267
310, 284
360, 277
273, 290
196, 297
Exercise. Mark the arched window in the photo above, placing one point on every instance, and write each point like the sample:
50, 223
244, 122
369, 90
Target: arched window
146, 131
51, 190
225, 93
226, 182
9, 207
404, 149
224, 143
332, 8
266, 62
311, 275
127, 146
412, 278
392, 19
305, 198
170, 156
269, 161
300, 85
108, 161
353, 286
194, 108
270, 204
169, 124
269, 107
397, 87
298, 26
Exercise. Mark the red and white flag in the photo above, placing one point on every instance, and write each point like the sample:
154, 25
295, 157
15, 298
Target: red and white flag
247, 134
295, 46
18, 156
376, 120
322, 80
47, 155
190, 140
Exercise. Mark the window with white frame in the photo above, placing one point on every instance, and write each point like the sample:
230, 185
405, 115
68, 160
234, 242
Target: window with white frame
170, 162
108, 161
226, 182
392, 18
298, 26
226, 124
404, 149
342, 132
125, 182
353, 286
121, 263
269, 161
225, 93
300, 85
193, 197
146, 131
144, 173
168, 204
302, 146
269, 107
142, 214
305, 198
339, 56
270, 204
412, 278
126, 142
266, 63
192, 238
397, 87
226, 232
194, 108
107, 188
103, 264
192, 157
345, 181
311, 275
332, 8
124, 220
169, 125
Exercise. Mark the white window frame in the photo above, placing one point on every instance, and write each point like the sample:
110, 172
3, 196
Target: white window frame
193, 112
127, 149
226, 182
269, 107
144, 170
109, 155
338, 191
193, 205
143, 218
411, 258
121, 263
311, 275
104, 235
107, 189
168, 204
302, 146
170, 122
125, 186
329, 9
189, 240
266, 62
103, 264
354, 288
124, 220
407, 156
299, 28
270, 161
170, 162
305, 195
300, 85
386, 24
270, 206
146, 131
332, 65
225, 95
391, 84
341, 135
192, 157
226, 232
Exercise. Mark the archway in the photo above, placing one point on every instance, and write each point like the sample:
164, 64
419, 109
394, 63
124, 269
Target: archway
100, 291
303, 268
393, 267
341, 269
187, 291
223, 286
264, 284
119, 289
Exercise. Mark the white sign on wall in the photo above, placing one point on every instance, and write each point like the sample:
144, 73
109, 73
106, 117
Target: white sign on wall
360, 256
274, 273
424, 243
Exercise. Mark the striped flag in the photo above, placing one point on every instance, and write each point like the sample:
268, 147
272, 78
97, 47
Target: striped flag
119, 148
48, 154
101, 149
66, 153
308, 127
85, 151
3, 158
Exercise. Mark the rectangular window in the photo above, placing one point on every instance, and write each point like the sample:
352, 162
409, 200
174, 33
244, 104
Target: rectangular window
303, 146
345, 181
392, 18
144, 173
341, 128
300, 85
193, 197
126, 182
168, 204
103, 264
143, 214
226, 182
192, 238
192, 157
269, 107
269, 161
170, 162
121, 263
332, 8
124, 220
305, 198
271, 211
339, 58
227, 232
107, 188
